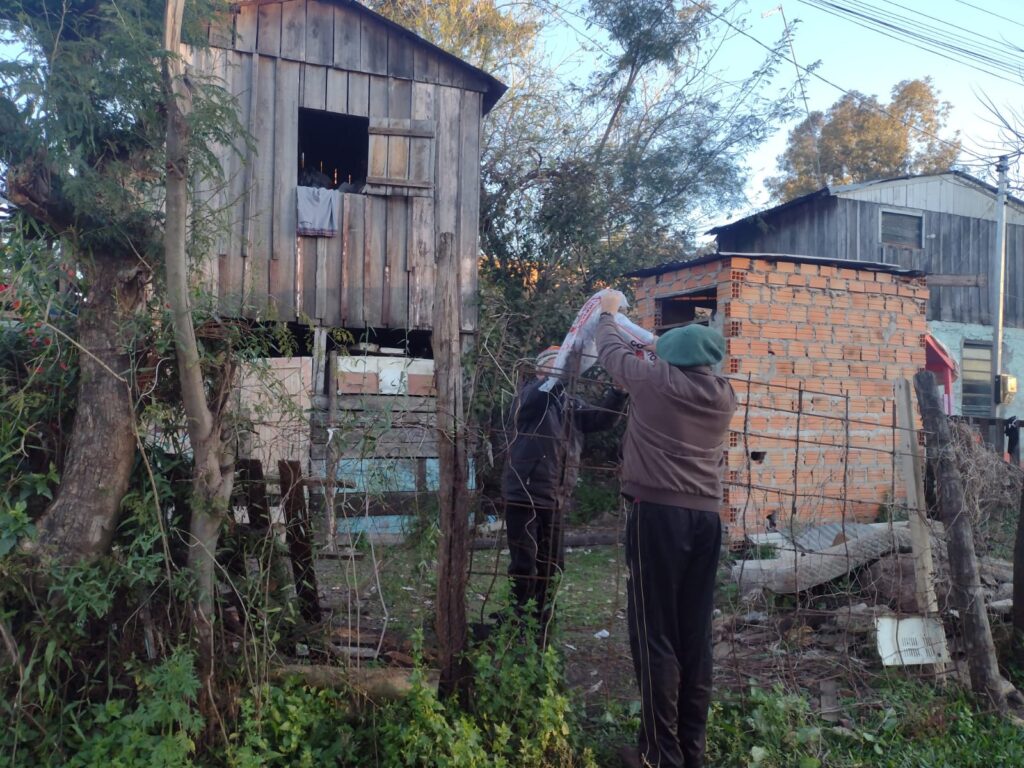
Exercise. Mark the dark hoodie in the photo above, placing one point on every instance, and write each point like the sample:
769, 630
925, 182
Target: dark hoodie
673, 452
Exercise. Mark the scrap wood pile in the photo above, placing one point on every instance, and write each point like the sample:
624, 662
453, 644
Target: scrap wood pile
843, 579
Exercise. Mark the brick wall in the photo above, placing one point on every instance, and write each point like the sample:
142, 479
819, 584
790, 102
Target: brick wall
813, 350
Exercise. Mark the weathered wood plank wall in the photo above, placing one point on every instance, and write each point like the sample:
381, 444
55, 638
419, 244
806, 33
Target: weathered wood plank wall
850, 229
425, 115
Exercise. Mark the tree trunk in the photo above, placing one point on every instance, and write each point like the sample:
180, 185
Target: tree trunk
967, 594
1018, 588
80, 523
213, 465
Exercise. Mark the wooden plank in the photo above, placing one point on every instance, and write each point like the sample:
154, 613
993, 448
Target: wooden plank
346, 38
377, 165
222, 31
421, 150
396, 274
321, 282
330, 312
940, 303
469, 207
286, 127
398, 158
425, 64
378, 96
400, 55
373, 46
912, 469
307, 284
239, 82
392, 126
375, 236
319, 32
268, 36
337, 91
352, 260
314, 86
387, 403
452, 458
446, 193
1015, 257
293, 30
421, 262
261, 213
299, 535
245, 28
395, 181
358, 94
962, 281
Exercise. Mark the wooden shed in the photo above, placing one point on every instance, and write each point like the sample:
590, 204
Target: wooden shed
338, 97
380, 129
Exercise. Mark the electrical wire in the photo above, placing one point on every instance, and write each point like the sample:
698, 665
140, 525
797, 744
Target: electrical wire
862, 100
990, 13
924, 37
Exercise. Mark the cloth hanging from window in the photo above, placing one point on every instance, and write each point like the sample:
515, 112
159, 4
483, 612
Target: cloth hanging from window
317, 212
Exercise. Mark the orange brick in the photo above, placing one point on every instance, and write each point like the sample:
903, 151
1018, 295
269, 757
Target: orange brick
785, 266
797, 280
737, 262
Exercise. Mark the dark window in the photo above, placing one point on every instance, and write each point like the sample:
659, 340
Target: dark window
693, 308
333, 150
976, 378
902, 229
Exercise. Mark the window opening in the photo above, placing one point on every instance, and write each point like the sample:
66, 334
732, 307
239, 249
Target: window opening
902, 229
976, 379
333, 150
691, 309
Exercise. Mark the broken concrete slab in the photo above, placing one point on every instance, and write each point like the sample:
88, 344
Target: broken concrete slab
796, 572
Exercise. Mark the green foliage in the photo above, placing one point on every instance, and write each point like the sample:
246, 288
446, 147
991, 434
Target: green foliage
293, 725
518, 716
158, 732
913, 725
593, 498
863, 139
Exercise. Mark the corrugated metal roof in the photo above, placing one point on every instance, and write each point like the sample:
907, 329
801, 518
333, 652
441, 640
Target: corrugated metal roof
840, 190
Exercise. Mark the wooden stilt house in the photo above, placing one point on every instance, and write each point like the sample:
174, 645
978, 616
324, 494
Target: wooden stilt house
385, 127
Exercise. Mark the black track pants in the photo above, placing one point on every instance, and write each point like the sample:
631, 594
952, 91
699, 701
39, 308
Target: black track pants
672, 555
536, 557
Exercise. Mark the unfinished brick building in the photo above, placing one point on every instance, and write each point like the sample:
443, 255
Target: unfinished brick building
814, 348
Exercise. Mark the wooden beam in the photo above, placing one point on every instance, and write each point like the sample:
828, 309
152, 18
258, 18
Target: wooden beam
967, 594
453, 548
958, 281
299, 538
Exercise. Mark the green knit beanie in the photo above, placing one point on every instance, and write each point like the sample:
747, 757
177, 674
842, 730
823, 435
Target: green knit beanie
690, 346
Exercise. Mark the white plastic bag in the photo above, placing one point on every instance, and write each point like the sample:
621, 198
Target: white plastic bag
584, 329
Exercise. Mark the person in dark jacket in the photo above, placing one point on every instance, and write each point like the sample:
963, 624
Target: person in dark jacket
545, 433
673, 456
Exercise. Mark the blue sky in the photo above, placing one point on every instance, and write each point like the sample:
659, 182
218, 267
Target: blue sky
855, 59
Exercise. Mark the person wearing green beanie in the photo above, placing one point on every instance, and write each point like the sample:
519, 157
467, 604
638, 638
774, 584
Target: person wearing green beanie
672, 464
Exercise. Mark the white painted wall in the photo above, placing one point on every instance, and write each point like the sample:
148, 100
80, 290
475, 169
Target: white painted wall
953, 335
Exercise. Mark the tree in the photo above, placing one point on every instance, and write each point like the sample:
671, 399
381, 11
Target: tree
860, 139
83, 121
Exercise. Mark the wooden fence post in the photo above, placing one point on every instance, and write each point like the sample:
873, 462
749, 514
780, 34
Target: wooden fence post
452, 495
967, 595
300, 539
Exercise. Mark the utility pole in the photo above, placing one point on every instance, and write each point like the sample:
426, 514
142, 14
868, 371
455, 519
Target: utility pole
998, 278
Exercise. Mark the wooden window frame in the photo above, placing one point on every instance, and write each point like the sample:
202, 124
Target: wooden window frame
975, 408
908, 212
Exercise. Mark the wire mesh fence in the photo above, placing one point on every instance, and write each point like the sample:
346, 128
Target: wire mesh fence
819, 544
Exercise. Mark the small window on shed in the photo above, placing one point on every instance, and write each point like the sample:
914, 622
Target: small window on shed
903, 230
333, 150
693, 308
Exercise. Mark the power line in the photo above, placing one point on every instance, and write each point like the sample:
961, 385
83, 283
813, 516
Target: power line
990, 13
861, 99
922, 36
